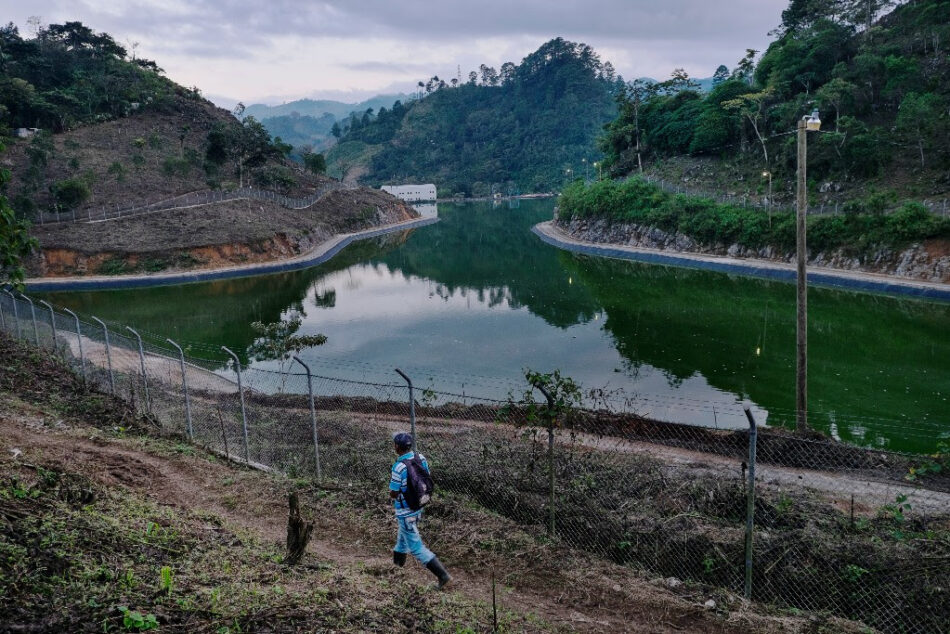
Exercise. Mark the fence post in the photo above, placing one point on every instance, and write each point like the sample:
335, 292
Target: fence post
551, 421
313, 418
16, 312
82, 358
36, 332
412, 410
750, 501
52, 322
237, 369
105, 329
184, 386
148, 401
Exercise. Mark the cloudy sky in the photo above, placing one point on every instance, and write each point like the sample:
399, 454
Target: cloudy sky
272, 51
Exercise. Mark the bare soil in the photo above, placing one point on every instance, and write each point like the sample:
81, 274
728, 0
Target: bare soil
126, 162
68, 461
208, 236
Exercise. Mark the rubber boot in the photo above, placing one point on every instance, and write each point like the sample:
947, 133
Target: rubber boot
435, 567
399, 559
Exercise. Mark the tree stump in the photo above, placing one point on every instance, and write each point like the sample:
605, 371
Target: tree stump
298, 533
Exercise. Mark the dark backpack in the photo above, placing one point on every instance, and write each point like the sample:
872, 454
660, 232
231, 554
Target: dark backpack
419, 485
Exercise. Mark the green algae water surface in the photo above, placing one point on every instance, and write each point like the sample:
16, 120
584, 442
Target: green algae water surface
467, 304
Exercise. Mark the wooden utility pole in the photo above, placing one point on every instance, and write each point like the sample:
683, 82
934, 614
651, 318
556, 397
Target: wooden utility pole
801, 380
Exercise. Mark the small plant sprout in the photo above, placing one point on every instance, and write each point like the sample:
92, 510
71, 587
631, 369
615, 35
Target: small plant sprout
166, 580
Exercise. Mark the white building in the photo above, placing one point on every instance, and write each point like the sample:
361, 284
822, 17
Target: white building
411, 193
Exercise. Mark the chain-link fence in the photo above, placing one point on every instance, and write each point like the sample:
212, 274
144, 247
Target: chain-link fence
186, 201
800, 522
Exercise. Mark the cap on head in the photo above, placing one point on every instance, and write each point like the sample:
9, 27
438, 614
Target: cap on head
403, 440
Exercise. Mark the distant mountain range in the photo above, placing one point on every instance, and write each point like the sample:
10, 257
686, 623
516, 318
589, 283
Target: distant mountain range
307, 122
318, 107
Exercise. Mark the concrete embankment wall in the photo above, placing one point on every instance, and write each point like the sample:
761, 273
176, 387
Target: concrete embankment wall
315, 257
556, 235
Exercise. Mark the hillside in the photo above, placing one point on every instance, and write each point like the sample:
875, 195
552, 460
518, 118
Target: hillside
142, 139
881, 86
526, 127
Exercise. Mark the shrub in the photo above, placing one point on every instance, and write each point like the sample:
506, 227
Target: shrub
24, 206
174, 166
914, 221
117, 170
277, 177
70, 193
709, 222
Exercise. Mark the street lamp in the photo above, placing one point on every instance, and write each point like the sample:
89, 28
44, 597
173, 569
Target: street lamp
768, 174
586, 170
808, 123
599, 165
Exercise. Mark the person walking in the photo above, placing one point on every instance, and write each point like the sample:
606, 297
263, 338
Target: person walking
400, 483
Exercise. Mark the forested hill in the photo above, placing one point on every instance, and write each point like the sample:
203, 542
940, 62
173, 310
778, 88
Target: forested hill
113, 130
525, 127
881, 86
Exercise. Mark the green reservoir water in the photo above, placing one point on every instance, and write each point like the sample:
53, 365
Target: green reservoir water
466, 304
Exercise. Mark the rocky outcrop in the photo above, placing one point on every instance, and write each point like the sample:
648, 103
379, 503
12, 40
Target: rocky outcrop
927, 261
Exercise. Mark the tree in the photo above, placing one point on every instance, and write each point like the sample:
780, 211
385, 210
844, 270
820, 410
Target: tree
628, 133
335, 130
278, 341
920, 120
15, 240
836, 92
316, 163
679, 81
250, 144
745, 68
489, 75
507, 73
864, 12
752, 107
217, 151
562, 396
721, 75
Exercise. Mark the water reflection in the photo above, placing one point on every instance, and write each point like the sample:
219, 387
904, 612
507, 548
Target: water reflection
466, 304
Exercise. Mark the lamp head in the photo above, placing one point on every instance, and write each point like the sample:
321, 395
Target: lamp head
813, 122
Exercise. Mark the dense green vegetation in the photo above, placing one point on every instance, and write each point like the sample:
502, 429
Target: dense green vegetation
15, 242
68, 75
882, 89
709, 222
521, 128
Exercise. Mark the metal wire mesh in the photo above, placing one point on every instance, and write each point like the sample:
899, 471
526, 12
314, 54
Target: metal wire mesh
838, 529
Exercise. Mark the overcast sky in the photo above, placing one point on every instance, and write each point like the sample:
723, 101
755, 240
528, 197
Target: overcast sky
273, 51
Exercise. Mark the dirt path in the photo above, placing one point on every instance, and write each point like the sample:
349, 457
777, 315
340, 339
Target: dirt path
576, 593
